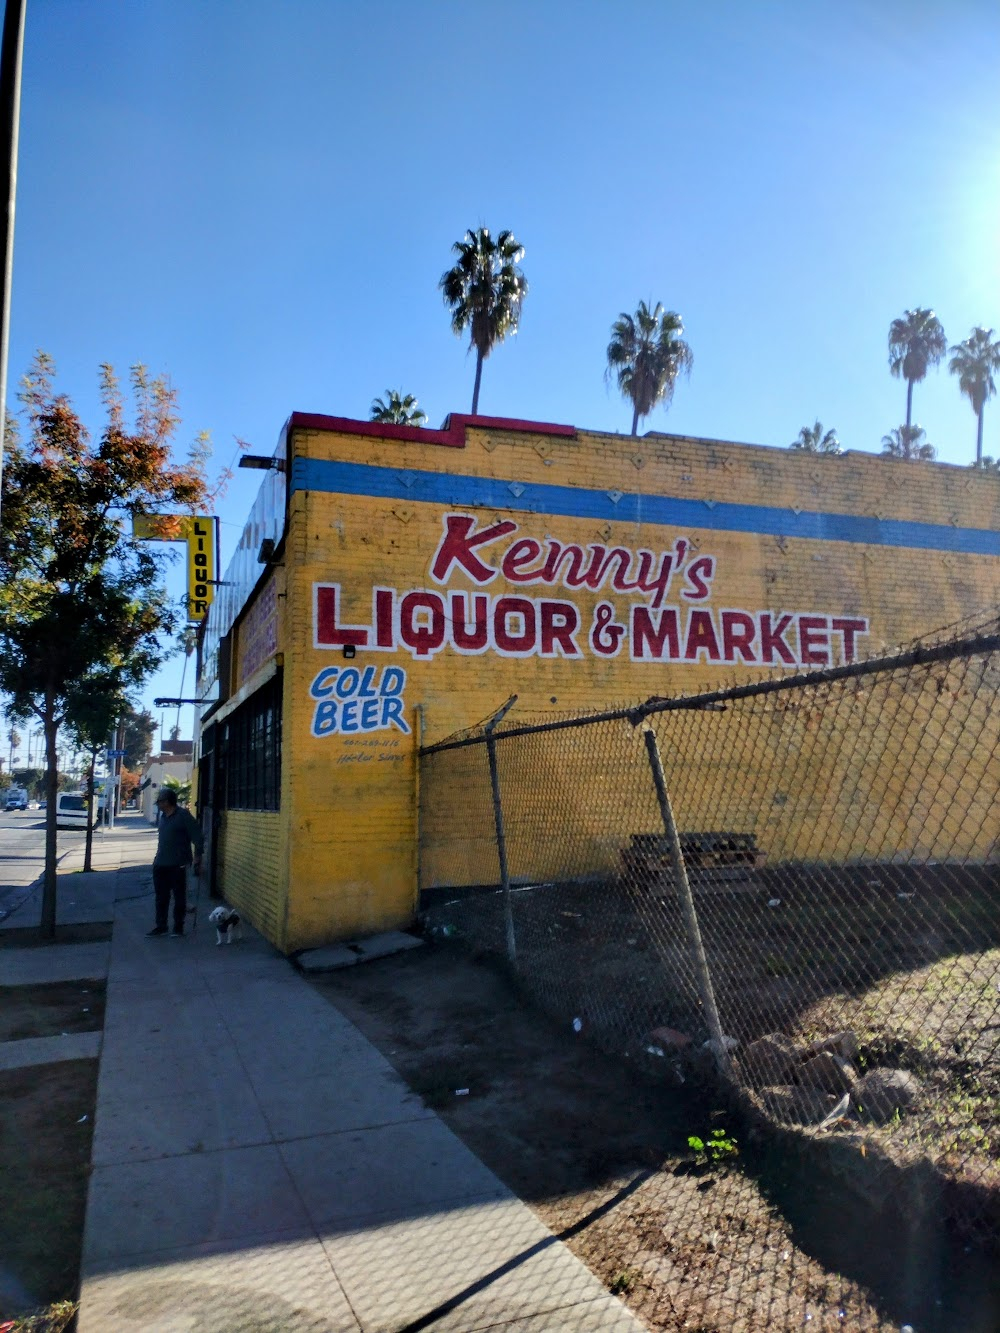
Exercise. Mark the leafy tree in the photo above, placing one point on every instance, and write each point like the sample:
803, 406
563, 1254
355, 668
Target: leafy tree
814, 440
140, 729
395, 410
78, 594
916, 342
129, 781
986, 464
646, 354
485, 290
93, 705
908, 442
974, 361
30, 779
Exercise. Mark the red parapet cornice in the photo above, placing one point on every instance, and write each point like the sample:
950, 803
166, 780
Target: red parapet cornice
451, 436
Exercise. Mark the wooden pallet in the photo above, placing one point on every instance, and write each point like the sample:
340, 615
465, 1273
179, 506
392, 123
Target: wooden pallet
709, 857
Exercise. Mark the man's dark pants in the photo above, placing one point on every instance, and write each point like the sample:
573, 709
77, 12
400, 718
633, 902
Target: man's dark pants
169, 880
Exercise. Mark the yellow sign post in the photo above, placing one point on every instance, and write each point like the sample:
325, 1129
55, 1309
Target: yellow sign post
201, 532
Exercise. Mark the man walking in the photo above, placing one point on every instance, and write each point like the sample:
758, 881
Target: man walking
177, 829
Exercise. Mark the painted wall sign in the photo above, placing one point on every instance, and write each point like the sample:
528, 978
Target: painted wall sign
662, 611
358, 699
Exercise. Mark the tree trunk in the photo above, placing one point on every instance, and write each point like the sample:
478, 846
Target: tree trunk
909, 402
51, 727
88, 863
979, 438
479, 376
635, 420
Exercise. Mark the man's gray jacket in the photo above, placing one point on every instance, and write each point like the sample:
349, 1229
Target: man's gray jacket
175, 834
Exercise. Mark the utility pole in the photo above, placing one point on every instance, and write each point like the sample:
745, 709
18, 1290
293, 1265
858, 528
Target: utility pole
114, 777
11, 53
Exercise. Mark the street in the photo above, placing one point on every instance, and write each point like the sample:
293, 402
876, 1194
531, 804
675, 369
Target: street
22, 852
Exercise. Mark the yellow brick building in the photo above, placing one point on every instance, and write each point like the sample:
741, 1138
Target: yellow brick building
394, 585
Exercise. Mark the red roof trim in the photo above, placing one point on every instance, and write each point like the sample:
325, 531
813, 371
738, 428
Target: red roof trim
452, 436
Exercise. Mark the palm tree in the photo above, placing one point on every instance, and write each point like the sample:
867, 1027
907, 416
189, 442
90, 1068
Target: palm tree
485, 291
646, 354
908, 442
395, 410
974, 362
916, 342
814, 440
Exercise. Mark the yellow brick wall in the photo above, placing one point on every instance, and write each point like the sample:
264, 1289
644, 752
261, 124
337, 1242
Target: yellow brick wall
895, 768
351, 798
252, 868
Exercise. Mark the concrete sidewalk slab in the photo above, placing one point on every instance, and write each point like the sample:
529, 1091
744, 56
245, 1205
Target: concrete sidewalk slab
140, 1207
283, 1282
473, 1267
270, 1061
183, 1069
142, 1128
49, 1050
54, 962
258, 1163
332, 1103
401, 1170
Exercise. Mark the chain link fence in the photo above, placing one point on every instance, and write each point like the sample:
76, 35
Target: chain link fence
787, 891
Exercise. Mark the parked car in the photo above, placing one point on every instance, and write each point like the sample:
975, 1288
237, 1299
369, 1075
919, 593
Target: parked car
71, 810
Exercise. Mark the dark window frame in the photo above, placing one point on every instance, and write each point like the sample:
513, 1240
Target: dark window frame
250, 751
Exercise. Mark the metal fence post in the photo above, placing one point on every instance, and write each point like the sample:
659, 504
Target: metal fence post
508, 915
702, 974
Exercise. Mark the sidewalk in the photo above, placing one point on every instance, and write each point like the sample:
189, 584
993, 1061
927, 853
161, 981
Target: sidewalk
257, 1163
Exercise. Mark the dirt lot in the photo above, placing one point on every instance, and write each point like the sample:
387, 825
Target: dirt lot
600, 1152
46, 1123
51, 1009
906, 956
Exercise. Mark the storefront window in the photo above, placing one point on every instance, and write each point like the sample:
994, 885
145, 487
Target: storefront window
253, 751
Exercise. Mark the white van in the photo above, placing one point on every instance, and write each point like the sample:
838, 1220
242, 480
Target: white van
71, 810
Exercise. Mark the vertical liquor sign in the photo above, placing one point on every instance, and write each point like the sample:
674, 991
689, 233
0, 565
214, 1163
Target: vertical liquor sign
201, 533
202, 544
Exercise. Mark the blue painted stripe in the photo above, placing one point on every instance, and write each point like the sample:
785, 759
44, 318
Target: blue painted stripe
457, 491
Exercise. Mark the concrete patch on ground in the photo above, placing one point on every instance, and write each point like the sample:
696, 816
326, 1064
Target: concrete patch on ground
54, 962
332, 957
47, 1050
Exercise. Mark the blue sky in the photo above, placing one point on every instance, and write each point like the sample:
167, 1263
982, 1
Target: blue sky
258, 200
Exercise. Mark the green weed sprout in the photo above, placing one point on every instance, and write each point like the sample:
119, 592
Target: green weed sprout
716, 1149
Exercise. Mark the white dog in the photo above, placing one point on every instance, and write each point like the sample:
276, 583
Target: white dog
226, 923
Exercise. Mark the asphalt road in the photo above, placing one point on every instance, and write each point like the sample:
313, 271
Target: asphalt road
22, 851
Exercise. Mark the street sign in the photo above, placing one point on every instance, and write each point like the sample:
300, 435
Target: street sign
116, 754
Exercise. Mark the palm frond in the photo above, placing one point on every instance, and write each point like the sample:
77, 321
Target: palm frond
916, 342
646, 355
909, 442
974, 361
397, 409
485, 289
